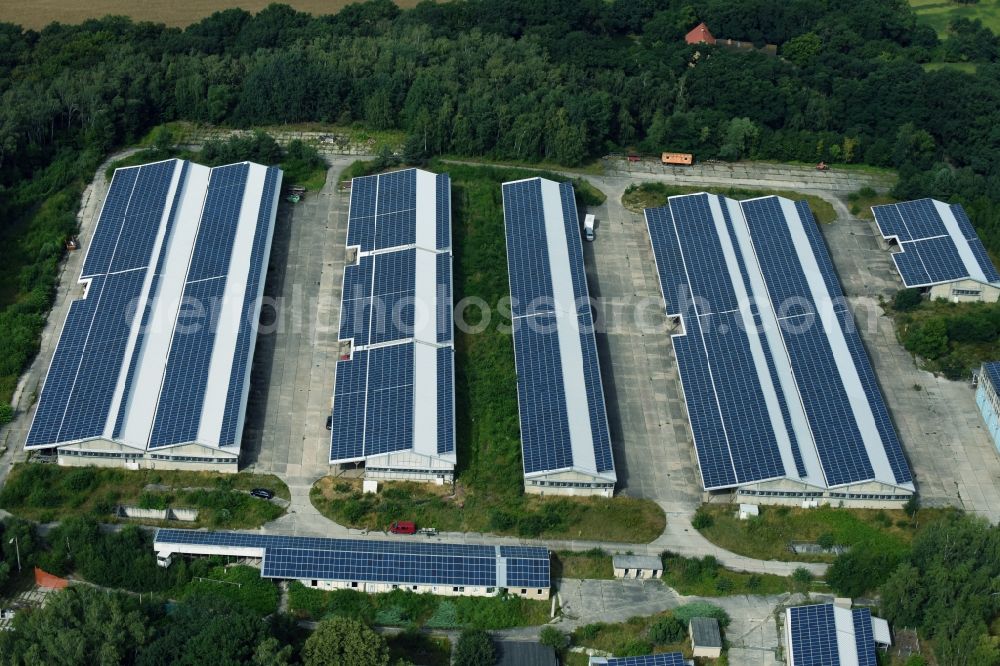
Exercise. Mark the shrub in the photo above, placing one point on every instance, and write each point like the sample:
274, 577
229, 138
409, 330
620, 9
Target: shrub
502, 520
702, 520
826, 541
633, 647
701, 609
554, 638
802, 577
723, 585
589, 631
474, 648
445, 616
667, 630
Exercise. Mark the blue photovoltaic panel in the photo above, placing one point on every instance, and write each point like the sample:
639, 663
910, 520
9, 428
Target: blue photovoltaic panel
178, 412
714, 458
389, 412
669, 262
102, 245
363, 191
400, 568
863, 637
443, 210
238, 376
964, 223
397, 191
752, 441
893, 449
768, 356
890, 223
541, 392
822, 255
348, 425
983, 259
992, 370
921, 218
145, 212
100, 364
523, 572
527, 248
814, 635
393, 297
444, 300
219, 219
663, 659
939, 257
578, 274
396, 229
355, 307
911, 268
835, 430
699, 241
786, 282
595, 396
63, 368
153, 292
445, 400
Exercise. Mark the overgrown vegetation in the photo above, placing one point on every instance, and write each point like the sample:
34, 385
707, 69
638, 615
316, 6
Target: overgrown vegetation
589, 564
655, 194
863, 200
706, 577
301, 163
951, 338
770, 535
477, 509
403, 608
46, 493
637, 636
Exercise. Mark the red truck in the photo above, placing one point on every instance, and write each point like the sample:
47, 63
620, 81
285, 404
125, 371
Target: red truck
403, 527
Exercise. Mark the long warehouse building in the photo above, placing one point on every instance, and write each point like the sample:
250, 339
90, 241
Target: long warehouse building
394, 398
781, 396
152, 367
370, 565
565, 439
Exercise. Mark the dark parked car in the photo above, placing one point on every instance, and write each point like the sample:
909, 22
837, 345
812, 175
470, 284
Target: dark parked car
329, 422
262, 493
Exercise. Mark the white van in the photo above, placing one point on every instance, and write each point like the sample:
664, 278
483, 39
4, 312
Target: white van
588, 227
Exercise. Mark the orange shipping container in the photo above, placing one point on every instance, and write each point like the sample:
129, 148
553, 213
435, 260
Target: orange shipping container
683, 159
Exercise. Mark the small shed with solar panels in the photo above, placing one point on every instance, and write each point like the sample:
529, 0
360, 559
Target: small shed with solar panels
394, 398
371, 565
781, 397
152, 367
937, 250
829, 635
565, 439
662, 659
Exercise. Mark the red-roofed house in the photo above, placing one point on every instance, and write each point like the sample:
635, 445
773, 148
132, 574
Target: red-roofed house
699, 34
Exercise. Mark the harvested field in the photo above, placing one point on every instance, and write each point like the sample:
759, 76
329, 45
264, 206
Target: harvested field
39, 13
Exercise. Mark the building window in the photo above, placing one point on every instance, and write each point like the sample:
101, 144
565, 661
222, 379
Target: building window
966, 292
354, 584
315, 583
524, 591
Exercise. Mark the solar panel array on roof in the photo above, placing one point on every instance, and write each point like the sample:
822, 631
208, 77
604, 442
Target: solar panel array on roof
396, 310
771, 365
376, 561
825, 635
938, 243
167, 227
558, 375
662, 659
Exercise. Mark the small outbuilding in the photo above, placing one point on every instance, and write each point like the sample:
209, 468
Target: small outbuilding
748, 511
637, 566
700, 34
706, 639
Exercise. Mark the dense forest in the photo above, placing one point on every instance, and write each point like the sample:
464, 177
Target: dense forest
561, 80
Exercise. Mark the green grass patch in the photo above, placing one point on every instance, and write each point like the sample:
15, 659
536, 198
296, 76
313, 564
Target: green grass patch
46, 493
767, 537
590, 564
473, 509
403, 608
963, 67
862, 201
594, 168
706, 577
940, 13
653, 195
633, 638
240, 584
